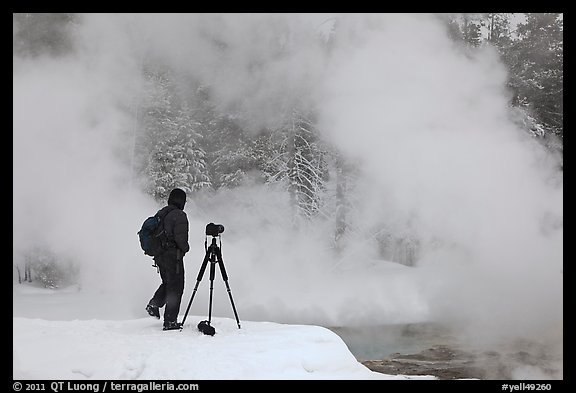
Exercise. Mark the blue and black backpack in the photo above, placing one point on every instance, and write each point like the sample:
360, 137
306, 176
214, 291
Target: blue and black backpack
152, 236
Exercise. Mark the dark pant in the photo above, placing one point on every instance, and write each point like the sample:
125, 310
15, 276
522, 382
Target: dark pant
170, 292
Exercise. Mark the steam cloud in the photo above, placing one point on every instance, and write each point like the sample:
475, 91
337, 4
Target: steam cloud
428, 122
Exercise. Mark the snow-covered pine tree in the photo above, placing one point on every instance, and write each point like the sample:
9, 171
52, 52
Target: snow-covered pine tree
229, 149
532, 47
308, 168
536, 61
174, 157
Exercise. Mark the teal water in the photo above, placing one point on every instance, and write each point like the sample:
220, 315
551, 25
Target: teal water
381, 341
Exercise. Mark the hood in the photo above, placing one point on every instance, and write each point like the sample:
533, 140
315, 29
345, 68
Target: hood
177, 198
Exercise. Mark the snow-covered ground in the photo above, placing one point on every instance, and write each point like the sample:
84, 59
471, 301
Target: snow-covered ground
138, 349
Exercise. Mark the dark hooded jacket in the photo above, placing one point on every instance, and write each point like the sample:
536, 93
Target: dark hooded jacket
176, 221
171, 263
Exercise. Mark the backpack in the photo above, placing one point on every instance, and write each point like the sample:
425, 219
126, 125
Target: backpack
152, 236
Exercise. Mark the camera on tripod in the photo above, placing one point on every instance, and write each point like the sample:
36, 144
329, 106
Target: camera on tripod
214, 257
214, 229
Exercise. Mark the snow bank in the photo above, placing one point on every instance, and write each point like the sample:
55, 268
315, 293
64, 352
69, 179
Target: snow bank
140, 349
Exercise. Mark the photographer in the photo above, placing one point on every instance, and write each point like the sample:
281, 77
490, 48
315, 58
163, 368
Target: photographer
170, 262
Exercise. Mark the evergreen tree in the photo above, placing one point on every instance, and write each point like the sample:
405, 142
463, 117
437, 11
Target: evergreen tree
307, 167
50, 269
171, 142
43, 33
332, 30
533, 53
229, 156
271, 154
342, 205
471, 32
293, 154
498, 26
536, 60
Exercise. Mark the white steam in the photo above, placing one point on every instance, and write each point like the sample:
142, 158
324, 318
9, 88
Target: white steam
430, 124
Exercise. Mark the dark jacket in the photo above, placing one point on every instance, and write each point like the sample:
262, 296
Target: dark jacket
176, 226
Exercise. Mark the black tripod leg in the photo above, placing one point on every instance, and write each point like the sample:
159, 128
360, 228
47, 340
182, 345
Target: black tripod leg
212, 274
198, 279
225, 278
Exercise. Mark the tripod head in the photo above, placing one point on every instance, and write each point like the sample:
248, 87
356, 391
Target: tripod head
212, 250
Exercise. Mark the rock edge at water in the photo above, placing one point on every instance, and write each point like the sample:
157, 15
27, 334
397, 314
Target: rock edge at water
445, 362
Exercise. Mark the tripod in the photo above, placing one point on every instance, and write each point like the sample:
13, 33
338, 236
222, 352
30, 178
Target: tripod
214, 256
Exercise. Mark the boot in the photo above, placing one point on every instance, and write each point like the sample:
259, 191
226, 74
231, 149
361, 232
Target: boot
153, 311
172, 325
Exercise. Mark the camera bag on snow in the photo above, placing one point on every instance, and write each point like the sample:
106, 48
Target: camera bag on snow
204, 327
